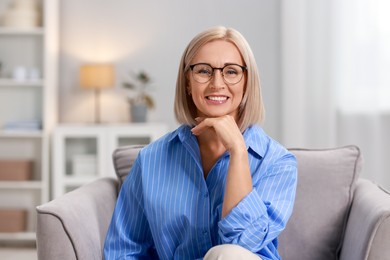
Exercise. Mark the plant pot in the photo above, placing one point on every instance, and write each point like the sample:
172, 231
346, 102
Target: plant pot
139, 113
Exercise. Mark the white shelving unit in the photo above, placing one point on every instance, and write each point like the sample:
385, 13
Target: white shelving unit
28, 100
94, 144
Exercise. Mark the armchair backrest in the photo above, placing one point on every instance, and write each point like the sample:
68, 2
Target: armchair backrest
326, 181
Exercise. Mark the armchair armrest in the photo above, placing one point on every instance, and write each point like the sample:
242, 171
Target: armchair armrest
74, 225
368, 230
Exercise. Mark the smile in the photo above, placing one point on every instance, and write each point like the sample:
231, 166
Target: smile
217, 98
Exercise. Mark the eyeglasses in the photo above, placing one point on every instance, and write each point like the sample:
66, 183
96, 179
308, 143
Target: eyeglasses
231, 73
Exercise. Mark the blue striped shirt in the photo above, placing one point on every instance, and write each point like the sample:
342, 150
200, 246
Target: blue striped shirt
166, 209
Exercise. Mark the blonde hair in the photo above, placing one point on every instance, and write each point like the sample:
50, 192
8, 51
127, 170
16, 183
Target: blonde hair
251, 109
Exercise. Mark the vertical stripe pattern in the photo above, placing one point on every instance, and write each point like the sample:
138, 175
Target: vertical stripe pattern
167, 210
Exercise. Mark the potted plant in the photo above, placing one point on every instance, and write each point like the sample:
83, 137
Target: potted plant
139, 98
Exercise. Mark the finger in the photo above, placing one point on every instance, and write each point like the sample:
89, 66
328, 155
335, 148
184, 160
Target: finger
199, 119
199, 128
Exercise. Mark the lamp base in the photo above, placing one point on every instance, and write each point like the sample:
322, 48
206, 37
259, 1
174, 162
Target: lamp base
97, 106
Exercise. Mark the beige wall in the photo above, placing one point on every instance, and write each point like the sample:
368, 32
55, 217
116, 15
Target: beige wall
151, 35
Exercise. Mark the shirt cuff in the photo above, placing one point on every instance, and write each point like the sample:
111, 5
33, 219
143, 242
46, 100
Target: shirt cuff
250, 215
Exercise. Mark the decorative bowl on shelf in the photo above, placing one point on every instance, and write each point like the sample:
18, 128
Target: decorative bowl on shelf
22, 14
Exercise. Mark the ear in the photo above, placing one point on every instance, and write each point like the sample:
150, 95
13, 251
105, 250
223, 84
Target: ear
188, 90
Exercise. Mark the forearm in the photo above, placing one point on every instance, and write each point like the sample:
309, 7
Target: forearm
238, 180
263, 213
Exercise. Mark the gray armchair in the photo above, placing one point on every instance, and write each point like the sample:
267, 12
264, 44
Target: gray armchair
336, 214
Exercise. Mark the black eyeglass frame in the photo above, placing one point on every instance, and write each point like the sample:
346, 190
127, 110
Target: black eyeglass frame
244, 68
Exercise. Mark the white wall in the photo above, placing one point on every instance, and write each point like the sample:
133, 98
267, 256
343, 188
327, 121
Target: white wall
151, 35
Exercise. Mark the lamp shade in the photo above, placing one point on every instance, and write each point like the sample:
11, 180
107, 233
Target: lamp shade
97, 76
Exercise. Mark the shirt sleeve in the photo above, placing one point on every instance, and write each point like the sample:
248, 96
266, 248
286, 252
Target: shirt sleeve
129, 236
260, 217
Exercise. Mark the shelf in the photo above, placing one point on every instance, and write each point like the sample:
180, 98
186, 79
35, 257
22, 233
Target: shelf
28, 111
4, 133
21, 31
26, 185
7, 82
18, 236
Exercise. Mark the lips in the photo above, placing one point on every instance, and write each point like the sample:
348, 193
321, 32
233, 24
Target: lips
216, 99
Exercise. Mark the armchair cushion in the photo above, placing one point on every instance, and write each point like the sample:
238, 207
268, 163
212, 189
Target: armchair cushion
123, 159
326, 181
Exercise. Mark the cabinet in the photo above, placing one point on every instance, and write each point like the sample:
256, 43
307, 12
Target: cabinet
28, 78
83, 153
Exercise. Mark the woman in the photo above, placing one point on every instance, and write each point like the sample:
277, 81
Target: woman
216, 180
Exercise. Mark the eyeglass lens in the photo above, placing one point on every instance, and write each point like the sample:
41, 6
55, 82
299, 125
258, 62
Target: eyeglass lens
231, 73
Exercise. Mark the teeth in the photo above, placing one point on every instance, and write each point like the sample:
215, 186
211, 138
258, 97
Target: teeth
217, 98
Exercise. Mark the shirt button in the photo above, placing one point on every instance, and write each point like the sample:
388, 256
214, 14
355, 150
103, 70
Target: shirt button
206, 195
204, 232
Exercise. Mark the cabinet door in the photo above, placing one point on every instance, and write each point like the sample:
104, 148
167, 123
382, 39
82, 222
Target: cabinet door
134, 134
79, 157
84, 153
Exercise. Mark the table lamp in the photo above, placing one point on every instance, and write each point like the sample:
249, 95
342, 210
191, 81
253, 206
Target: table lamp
97, 77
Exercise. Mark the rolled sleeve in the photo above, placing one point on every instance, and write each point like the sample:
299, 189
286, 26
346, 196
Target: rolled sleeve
259, 218
246, 224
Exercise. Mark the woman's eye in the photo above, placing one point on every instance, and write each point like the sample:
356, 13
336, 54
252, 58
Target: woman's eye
231, 72
204, 71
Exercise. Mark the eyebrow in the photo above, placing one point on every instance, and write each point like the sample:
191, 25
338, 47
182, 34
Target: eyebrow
225, 64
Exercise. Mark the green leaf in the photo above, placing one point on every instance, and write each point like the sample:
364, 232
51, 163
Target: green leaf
140, 86
143, 77
128, 85
149, 101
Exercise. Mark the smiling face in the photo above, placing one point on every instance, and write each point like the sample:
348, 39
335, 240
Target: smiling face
216, 98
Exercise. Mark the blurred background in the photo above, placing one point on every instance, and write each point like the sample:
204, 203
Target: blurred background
324, 64
324, 67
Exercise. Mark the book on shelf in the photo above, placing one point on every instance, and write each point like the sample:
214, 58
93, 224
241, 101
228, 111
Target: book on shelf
28, 125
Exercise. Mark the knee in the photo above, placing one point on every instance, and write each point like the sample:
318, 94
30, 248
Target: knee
227, 252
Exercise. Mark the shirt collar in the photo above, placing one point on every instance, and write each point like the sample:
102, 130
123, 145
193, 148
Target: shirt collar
256, 140
182, 133
254, 136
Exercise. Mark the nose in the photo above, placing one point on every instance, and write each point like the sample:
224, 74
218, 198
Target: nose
217, 80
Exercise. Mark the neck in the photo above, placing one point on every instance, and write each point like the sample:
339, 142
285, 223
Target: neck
211, 142
211, 149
